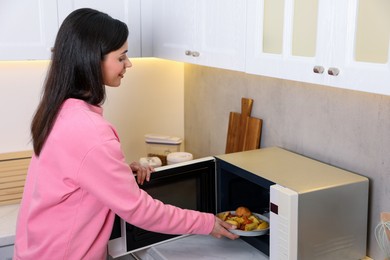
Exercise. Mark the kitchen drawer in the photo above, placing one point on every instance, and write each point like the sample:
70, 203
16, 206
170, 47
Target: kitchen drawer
6, 252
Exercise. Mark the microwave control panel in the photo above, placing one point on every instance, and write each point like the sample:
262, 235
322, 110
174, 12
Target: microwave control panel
284, 220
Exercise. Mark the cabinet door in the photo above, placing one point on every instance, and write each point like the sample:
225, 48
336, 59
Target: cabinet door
127, 11
6, 252
340, 43
220, 33
365, 62
287, 39
210, 33
174, 29
27, 29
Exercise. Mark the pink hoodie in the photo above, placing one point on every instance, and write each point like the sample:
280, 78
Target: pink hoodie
77, 184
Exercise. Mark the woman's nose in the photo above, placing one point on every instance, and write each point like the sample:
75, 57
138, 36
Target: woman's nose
128, 64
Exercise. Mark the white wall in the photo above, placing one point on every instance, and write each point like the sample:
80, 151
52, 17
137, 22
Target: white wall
149, 100
20, 88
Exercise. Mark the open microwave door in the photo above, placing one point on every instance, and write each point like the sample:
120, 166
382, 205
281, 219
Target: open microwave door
189, 185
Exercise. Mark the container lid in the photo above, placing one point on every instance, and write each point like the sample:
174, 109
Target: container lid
178, 157
150, 161
162, 139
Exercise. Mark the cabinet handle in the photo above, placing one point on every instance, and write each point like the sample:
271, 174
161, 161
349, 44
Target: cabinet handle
318, 69
195, 54
333, 71
192, 53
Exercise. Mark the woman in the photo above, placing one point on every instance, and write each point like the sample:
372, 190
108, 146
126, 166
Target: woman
78, 178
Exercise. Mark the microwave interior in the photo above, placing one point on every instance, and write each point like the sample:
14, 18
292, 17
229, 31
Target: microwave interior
237, 187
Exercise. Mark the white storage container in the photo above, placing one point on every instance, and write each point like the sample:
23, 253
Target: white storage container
161, 145
178, 157
150, 161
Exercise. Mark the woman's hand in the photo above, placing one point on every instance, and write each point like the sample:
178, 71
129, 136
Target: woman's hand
220, 229
143, 172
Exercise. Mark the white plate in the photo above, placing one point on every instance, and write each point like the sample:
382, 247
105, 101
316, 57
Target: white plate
252, 233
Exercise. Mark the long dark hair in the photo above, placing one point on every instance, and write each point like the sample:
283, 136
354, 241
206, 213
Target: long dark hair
83, 40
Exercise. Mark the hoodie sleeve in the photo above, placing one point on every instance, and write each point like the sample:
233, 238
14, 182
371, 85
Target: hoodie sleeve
105, 174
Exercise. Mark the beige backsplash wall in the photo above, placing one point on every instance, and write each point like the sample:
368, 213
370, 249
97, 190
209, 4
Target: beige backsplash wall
344, 128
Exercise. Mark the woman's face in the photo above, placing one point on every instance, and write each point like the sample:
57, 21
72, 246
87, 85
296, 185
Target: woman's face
114, 66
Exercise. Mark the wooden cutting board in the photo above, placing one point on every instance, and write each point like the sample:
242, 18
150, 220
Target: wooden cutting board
244, 131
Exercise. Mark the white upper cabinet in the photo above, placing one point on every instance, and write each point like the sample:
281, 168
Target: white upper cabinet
127, 11
366, 62
210, 33
340, 43
27, 29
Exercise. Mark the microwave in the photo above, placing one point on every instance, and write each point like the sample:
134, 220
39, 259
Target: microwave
316, 211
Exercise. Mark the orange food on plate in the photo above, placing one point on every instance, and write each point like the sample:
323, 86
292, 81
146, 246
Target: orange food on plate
244, 219
243, 211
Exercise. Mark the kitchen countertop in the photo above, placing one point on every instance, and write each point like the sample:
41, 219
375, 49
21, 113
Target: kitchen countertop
8, 216
195, 247
197, 244
201, 247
